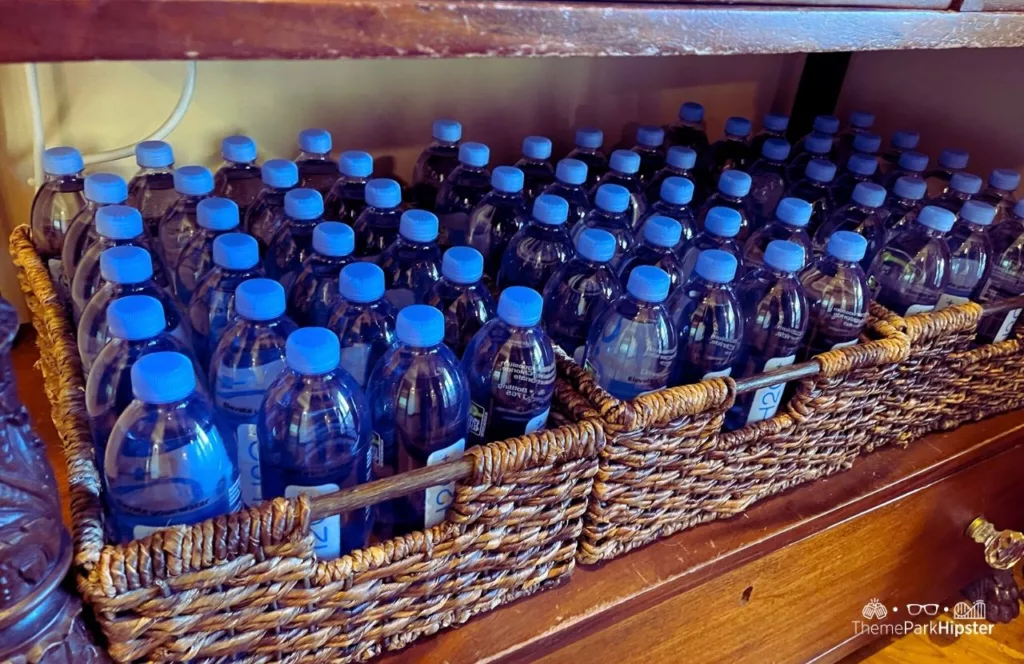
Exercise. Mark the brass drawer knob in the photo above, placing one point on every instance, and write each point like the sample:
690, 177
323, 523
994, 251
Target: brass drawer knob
1003, 548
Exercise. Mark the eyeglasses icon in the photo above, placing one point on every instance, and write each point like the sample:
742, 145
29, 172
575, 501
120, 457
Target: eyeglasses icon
928, 609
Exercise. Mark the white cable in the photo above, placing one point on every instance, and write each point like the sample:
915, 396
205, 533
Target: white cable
38, 134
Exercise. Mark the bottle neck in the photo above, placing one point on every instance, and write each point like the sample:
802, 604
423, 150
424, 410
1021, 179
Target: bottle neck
239, 164
313, 156
446, 145
154, 170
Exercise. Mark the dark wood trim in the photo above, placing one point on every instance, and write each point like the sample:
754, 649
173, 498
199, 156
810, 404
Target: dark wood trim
820, 84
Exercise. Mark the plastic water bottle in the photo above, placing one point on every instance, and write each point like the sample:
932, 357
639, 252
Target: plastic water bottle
826, 124
910, 163
815, 188
266, 214
961, 187
420, 417
939, 178
901, 141
247, 360
970, 252
814, 146
316, 168
709, 319
611, 213
510, 368
151, 189
462, 297
1000, 192
377, 225
498, 216
860, 168
689, 131
347, 198
721, 226
588, 150
862, 215
58, 200
316, 287
867, 143
773, 125
192, 184
461, 192
363, 319
100, 189
211, 311
650, 145
314, 433
733, 193
293, 242
536, 166
860, 123
902, 206
789, 224
731, 151
536, 251
238, 178
623, 170
579, 292
680, 162
412, 264
1005, 276
166, 463
768, 179
776, 319
658, 246
838, 295
215, 216
633, 344
912, 271
675, 203
436, 163
570, 178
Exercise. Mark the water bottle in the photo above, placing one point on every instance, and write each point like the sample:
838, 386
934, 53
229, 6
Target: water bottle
462, 297
826, 124
939, 178
814, 146
911, 272
510, 369
377, 225
658, 246
902, 206
1005, 277
211, 311
58, 200
588, 150
461, 192
293, 242
860, 168
709, 319
676, 203
867, 143
498, 216
815, 188
837, 294
623, 169
436, 163
420, 418
650, 145
860, 123
363, 319
733, 193
773, 125
266, 214
679, 163
970, 251
611, 213
166, 463
151, 189
347, 198
632, 346
961, 187
862, 215
901, 141
789, 223
238, 178
536, 166
910, 163
412, 264
316, 168
731, 151
768, 179
314, 433
247, 360
570, 178
536, 251
316, 287
689, 131
775, 315
215, 216
721, 227
1002, 183
192, 184
100, 189
579, 292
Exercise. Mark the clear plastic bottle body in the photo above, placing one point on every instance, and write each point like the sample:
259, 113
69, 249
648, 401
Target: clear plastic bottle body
291, 246
151, 192
709, 320
376, 229
652, 190
177, 227
768, 184
684, 214
1005, 279
574, 298
317, 171
970, 256
619, 225
692, 135
466, 308
845, 183
646, 253
195, 262
911, 271
432, 168
240, 181
410, 271
776, 229
1004, 201
538, 175
819, 196
578, 199
81, 235
652, 160
346, 199
366, 330
838, 299
315, 290
867, 222
55, 205
212, 309
730, 152
743, 205
458, 195
596, 161
689, 251
266, 216
899, 214
88, 279
493, 223
637, 202
533, 255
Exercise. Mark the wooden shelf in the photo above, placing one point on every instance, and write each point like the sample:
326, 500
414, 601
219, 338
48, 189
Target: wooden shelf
59, 30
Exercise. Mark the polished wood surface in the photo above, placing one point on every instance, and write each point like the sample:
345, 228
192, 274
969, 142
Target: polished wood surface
1005, 644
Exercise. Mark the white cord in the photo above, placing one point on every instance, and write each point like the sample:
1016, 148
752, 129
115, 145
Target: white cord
38, 134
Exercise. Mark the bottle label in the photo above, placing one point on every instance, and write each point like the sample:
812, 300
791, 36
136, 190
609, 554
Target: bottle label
376, 450
577, 355
141, 531
440, 497
477, 419
355, 359
401, 297
721, 373
1007, 327
326, 531
766, 400
845, 344
919, 309
56, 270
949, 300
249, 464
240, 390
538, 422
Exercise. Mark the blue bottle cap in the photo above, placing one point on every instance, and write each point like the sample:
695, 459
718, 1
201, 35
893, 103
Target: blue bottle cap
361, 282
954, 159
826, 124
905, 139
913, 161
648, 283
624, 161
163, 377
862, 164
1001, 178
462, 265
312, 351
723, 222
936, 218
571, 171
550, 210
193, 180
867, 143
862, 119
537, 147
784, 255
776, 149
818, 143
691, 111
977, 212
474, 155
794, 211
589, 138
650, 136
317, 141
383, 193
716, 265
965, 183
910, 187
217, 214
446, 130
126, 265
681, 157
355, 164
420, 326
118, 222
136, 317
734, 183
1018, 210
869, 194
520, 306
737, 126
303, 203
820, 170
259, 299
106, 188
418, 226
612, 198
62, 161
235, 251
507, 178
279, 173
238, 148
333, 238
847, 246
676, 190
154, 154
776, 122
663, 231
596, 245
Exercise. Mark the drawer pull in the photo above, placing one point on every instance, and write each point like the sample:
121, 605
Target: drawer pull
1003, 548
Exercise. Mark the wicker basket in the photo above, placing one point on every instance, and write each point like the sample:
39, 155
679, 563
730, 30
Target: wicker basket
248, 583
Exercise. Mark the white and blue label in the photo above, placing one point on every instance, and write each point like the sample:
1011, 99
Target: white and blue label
845, 344
439, 498
721, 373
919, 309
537, 423
766, 400
327, 531
249, 464
949, 300
1007, 327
